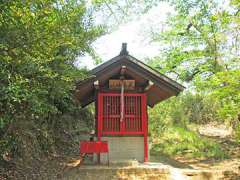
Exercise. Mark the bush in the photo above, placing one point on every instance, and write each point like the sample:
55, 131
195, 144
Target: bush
180, 141
237, 133
184, 109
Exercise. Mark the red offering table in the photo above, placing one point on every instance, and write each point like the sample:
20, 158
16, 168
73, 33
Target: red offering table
89, 147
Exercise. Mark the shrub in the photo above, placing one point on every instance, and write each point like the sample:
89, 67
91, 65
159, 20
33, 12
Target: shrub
177, 140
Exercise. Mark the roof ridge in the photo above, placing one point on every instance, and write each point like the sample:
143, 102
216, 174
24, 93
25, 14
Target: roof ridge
132, 59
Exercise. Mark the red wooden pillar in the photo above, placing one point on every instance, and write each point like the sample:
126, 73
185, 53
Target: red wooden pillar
100, 115
145, 126
99, 118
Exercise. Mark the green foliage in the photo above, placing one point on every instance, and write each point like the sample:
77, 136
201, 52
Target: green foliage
237, 133
184, 109
169, 122
180, 141
224, 86
39, 43
193, 39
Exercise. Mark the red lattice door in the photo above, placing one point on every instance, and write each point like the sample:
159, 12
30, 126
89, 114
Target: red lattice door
110, 113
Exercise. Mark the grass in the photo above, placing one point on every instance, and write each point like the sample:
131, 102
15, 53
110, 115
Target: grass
175, 141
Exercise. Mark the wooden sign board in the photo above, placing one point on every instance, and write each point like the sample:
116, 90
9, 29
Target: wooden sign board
115, 84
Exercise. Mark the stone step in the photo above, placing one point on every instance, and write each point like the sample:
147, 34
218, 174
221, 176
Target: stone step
146, 173
117, 173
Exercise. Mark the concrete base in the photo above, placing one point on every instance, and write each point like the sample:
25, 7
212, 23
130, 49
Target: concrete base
123, 148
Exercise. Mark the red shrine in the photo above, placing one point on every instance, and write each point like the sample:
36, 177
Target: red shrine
122, 88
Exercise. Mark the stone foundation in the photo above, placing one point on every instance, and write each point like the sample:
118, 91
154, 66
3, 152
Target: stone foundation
123, 148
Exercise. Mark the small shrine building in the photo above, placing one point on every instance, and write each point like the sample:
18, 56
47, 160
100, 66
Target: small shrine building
122, 89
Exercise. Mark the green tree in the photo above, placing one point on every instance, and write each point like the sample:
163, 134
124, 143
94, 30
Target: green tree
201, 47
39, 43
196, 40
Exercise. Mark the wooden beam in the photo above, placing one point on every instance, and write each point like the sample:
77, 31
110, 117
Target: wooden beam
123, 70
96, 84
150, 84
89, 98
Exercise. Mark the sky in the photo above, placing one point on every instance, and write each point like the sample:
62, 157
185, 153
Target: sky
134, 33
